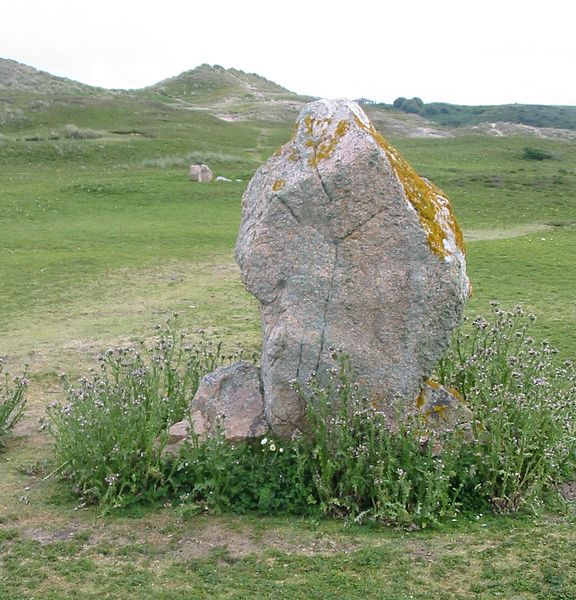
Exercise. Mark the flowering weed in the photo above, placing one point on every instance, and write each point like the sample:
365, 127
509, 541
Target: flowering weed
110, 433
524, 404
12, 400
362, 468
350, 462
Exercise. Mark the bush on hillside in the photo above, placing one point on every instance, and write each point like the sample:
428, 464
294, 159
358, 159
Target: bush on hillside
535, 154
72, 132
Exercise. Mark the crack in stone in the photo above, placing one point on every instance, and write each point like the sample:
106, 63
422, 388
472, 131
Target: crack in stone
287, 207
360, 225
326, 305
332, 279
299, 359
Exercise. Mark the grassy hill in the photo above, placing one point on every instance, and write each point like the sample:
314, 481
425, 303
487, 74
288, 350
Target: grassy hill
16, 76
209, 84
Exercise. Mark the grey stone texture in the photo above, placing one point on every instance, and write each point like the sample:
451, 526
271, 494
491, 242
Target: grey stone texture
346, 247
444, 409
230, 397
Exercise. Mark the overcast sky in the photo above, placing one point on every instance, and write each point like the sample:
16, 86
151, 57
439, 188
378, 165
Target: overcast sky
489, 52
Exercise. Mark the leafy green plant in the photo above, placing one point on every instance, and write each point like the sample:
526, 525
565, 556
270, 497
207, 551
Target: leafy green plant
12, 400
265, 476
110, 433
530, 153
522, 399
351, 462
365, 469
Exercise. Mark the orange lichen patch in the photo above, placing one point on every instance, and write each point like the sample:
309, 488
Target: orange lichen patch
320, 140
278, 185
432, 383
429, 201
420, 400
456, 394
439, 410
293, 154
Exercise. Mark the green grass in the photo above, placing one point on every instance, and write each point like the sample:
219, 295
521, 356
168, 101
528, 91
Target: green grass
102, 238
161, 557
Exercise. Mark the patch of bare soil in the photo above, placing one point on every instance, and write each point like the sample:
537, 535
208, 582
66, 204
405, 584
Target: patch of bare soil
238, 543
568, 490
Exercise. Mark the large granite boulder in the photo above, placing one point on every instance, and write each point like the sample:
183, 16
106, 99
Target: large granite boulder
346, 247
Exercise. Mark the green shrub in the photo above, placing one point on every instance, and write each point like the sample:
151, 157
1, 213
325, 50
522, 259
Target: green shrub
12, 400
524, 405
536, 154
72, 132
364, 469
266, 476
347, 465
110, 433
349, 462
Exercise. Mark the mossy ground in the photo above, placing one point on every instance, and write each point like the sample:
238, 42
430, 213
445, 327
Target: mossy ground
102, 238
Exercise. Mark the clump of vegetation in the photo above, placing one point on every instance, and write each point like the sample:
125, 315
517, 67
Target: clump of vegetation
364, 470
12, 400
349, 463
413, 106
530, 153
266, 476
522, 399
72, 132
458, 115
110, 434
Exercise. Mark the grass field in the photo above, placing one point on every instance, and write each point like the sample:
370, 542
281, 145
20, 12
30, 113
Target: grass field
102, 238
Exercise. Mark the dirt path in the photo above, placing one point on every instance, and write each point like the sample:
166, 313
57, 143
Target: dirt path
476, 235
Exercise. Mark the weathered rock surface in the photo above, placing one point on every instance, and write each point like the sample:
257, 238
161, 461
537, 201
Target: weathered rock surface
229, 397
176, 436
444, 409
200, 173
346, 247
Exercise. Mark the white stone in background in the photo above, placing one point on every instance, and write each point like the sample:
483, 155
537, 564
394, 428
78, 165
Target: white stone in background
200, 173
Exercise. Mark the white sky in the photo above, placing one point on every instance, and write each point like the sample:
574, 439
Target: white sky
488, 52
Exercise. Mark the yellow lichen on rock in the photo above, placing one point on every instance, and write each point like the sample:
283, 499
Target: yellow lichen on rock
278, 185
322, 142
429, 201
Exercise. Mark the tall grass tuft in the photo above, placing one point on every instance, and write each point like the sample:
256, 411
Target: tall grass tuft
110, 433
12, 400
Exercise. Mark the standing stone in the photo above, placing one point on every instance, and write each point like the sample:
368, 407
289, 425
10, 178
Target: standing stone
200, 173
346, 247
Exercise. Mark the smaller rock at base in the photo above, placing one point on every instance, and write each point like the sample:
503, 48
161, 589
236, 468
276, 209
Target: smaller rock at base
444, 411
230, 398
176, 436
